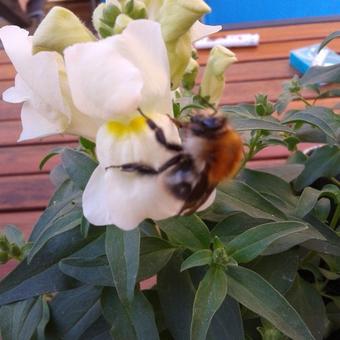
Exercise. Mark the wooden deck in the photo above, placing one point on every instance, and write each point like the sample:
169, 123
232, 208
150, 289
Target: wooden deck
24, 190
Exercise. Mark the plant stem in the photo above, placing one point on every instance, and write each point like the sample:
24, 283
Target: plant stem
335, 217
335, 181
304, 100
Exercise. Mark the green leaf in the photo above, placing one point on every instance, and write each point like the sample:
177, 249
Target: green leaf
259, 296
279, 270
227, 322
78, 166
74, 311
322, 163
286, 172
94, 271
84, 226
321, 74
99, 330
155, 253
250, 244
320, 117
266, 183
137, 322
21, 320
14, 235
309, 304
210, 295
307, 202
59, 226
188, 231
235, 224
176, 293
51, 214
122, 250
329, 244
52, 153
238, 196
328, 39
199, 258
42, 275
87, 144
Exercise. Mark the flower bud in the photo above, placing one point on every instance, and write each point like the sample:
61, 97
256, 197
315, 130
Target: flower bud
212, 86
104, 18
4, 258
177, 16
190, 74
138, 10
4, 244
179, 53
153, 8
121, 23
60, 29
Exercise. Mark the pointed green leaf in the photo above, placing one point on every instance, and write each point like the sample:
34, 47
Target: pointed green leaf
188, 231
324, 162
78, 166
59, 226
259, 296
309, 304
320, 117
210, 295
94, 271
74, 311
176, 293
21, 320
328, 39
307, 202
279, 270
122, 251
199, 258
137, 322
155, 253
250, 244
42, 275
238, 196
322, 74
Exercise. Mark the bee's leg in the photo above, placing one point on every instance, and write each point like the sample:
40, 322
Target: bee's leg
176, 122
159, 134
144, 169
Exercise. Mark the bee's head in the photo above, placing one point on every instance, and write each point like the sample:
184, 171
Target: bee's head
203, 125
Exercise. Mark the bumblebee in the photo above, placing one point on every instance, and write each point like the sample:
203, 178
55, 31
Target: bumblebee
211, 152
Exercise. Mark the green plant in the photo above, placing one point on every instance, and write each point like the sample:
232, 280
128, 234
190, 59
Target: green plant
262, 262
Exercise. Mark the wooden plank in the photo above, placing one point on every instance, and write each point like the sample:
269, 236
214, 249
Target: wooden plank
24, 220
289, 32
10, 131
252, 70
21, 160
272, 51
20, 193
7, 72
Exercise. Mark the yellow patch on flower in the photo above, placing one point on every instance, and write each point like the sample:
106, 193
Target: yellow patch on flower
120, 129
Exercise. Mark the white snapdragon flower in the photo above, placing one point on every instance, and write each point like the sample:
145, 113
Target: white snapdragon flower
111, 79
41, 84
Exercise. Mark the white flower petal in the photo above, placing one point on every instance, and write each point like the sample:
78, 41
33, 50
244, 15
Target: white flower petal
125, 199
103, 83
199, 30
142, 44
18, 93
35, 125
39, 72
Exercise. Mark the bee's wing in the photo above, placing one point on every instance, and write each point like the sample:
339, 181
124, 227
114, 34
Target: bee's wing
199, 194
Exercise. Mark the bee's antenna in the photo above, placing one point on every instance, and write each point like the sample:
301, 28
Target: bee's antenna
142, 113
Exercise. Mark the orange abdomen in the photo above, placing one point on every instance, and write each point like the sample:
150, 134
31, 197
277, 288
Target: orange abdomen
225, 154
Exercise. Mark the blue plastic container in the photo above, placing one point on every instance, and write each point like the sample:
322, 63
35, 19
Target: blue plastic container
248, 11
